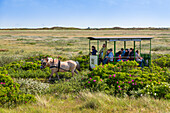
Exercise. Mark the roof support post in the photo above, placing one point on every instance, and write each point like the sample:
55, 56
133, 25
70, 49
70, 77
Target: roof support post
150, 53
134, 50
89, 54
140, 48
114, 51
124, 44
89, 47
98, 46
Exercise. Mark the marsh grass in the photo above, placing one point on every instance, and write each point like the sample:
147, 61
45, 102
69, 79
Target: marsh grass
91, 102
6, 59
47, 41
161, 48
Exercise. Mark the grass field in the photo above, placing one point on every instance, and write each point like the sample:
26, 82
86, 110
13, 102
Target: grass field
92, 103
70, 43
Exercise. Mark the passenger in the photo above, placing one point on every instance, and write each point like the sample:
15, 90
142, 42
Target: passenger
131, 53
108, 57
126, 53
94, 51
102, 53
140, 59
123, 52
119, 55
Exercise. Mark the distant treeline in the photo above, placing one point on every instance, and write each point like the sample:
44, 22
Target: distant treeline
73, 28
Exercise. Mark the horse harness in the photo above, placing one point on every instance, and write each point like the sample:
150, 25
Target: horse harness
58, 66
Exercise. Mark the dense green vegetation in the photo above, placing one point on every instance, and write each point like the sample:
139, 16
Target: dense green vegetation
125, 79
21, 52
10, 94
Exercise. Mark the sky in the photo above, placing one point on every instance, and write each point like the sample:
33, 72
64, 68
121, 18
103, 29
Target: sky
84, 13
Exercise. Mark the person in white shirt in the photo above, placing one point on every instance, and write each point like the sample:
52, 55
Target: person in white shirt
139, 58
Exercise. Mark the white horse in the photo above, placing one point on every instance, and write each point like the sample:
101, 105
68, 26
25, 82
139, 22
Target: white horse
58, 66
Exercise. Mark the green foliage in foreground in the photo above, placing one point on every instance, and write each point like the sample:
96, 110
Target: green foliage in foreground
162, 61
122, 79
125, 78
10, 93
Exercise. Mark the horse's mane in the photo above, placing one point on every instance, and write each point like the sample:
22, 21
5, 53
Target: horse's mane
51, 59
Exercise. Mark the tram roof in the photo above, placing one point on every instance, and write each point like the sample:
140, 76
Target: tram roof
120, 38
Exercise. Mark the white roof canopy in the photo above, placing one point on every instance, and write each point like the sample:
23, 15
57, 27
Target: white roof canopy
120, 38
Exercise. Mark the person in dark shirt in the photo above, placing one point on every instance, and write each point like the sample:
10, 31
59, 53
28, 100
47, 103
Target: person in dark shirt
126, 53
131, 54
94, 51
118, 53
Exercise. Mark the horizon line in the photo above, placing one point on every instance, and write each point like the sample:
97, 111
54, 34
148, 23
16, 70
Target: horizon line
50, 27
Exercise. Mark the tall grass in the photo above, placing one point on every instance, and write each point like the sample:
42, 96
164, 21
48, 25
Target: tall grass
93, 103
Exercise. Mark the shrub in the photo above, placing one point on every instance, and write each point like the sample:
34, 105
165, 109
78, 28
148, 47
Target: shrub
163, 61
3, 70
10, 92
124, 77
30, 73
84, 61
23, 65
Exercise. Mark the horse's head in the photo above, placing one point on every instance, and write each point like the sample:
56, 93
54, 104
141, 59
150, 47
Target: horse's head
44, 63
47, 62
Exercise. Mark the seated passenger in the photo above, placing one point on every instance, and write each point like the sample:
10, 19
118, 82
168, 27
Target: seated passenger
140, 59
119, 55
94, 51
102, 53
123, 52
126, 53
108, 57
131, 54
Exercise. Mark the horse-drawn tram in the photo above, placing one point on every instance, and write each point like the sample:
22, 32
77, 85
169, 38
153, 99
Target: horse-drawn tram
100, 55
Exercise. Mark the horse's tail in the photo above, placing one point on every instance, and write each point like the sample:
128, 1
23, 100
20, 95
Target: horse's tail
78, 65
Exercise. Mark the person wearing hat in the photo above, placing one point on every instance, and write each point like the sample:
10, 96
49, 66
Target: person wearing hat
108, 57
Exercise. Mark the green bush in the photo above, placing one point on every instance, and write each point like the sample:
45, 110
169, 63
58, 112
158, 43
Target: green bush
3, 70
10, 93
84, 61
163, 61
23, 65
124, 77
30, 73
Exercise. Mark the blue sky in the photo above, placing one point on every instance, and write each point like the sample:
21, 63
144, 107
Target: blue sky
84, 13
